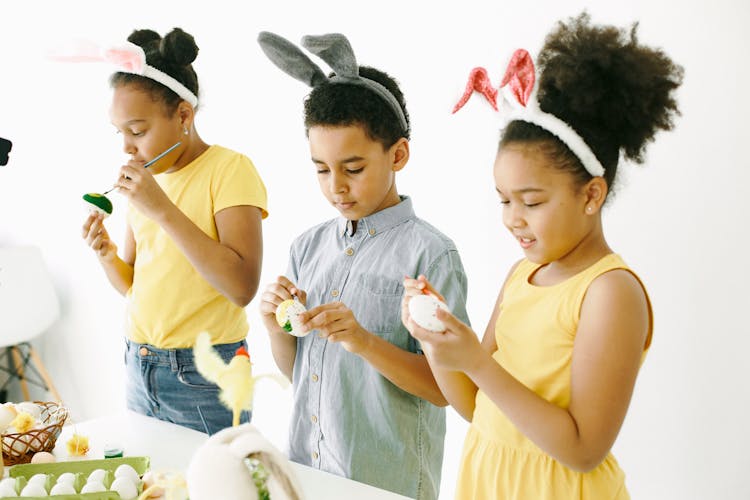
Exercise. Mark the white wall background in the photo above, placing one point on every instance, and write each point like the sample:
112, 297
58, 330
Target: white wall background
680, 221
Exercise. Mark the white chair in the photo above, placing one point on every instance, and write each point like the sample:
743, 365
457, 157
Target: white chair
28, 307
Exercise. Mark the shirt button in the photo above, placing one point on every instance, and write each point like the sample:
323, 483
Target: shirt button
314, 419
349, 252
314, 377
372, 232
334, 293
315, 455
143, 351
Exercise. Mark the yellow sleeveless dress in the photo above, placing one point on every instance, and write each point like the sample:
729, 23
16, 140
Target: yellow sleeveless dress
535, 331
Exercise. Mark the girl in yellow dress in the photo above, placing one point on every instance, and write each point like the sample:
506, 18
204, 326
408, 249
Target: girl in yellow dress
547, 388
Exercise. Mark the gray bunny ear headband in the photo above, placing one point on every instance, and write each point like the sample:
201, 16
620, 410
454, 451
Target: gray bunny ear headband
335, 50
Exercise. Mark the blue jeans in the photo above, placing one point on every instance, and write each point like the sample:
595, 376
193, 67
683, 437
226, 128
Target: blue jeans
164, 383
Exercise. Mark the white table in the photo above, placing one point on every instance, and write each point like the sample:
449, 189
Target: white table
171, 447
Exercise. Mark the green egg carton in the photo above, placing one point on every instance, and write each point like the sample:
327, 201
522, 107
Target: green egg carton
81, 468
140, 464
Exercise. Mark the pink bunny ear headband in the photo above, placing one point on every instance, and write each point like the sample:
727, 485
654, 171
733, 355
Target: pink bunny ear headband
128, 58
519, 102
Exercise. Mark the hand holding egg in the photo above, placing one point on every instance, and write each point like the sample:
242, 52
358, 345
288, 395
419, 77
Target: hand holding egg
287, 316
423, 310
423, 303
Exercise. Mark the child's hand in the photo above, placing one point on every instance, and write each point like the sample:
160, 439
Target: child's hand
97, 237
141, 189
336, 322
420, 286
456, 349
413, 287
273, 295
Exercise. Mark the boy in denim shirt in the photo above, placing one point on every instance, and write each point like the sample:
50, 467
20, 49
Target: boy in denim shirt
366, 405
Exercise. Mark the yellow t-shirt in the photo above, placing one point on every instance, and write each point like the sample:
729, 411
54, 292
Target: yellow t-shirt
170, 303
535, 333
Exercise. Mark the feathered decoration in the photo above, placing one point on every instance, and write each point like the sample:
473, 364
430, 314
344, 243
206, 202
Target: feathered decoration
235, 379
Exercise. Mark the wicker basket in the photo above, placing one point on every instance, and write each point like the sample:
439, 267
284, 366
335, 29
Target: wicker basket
19, 447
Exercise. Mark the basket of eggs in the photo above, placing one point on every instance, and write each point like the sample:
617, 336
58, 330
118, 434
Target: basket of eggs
28, 428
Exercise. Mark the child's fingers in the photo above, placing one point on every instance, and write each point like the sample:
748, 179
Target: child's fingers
420, 333
428, 288
300, 294
321, 316
451, 322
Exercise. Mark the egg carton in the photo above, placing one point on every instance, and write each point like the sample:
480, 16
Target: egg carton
81, 469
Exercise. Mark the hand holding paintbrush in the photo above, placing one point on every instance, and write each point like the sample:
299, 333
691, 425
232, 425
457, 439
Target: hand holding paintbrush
100, 203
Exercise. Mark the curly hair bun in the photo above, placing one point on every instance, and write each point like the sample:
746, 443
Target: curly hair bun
616, 93
178, 47
144, 37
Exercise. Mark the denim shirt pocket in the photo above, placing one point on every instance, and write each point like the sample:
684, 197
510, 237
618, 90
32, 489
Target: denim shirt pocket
376, 300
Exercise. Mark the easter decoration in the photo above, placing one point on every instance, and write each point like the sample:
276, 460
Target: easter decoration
239, 463
235, 379
287, 316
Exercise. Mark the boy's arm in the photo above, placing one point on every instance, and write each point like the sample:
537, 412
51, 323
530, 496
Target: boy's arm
407, 370
283, 345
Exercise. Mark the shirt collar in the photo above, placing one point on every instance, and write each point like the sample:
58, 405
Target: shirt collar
379, 221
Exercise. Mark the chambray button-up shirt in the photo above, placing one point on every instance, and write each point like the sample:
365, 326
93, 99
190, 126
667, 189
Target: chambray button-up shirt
347, 418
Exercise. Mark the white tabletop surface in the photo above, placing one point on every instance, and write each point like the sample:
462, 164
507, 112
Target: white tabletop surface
170, 447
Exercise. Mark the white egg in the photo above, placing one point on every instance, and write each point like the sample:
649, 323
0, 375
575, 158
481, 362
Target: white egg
66, 478
93, 487
40, 479
43, 457
33, 490
423, 309
127, 471
125, 488
8, 489
8, 481
97, 475
32, 409
62, 489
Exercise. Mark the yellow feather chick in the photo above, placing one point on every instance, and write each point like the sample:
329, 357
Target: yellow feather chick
235, 379
23, 422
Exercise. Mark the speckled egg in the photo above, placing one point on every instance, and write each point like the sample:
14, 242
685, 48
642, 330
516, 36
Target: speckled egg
423, 310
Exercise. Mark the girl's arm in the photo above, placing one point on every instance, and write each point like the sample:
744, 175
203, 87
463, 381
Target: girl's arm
610, 340
119, 271
457, 387
232, 264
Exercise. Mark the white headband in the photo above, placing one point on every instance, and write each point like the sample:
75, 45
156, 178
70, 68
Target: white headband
519, 91
128, 58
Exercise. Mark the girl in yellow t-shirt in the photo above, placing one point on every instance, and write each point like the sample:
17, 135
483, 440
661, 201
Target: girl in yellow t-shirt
547, 388
192, 252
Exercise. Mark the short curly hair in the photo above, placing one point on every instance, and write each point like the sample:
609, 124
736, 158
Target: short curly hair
615, 93
341, 105
173, 55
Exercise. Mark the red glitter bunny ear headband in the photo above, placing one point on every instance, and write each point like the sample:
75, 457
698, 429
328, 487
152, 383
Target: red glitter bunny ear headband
127, 57
519, 102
